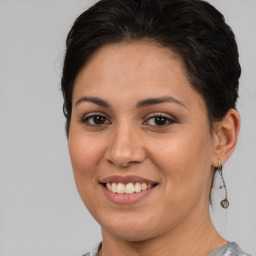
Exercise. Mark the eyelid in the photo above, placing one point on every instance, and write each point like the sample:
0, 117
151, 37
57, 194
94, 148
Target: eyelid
156, 114
169, 118
93, 114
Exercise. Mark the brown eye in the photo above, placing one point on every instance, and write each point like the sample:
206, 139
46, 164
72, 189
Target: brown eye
95, 120
98, 119
159, 120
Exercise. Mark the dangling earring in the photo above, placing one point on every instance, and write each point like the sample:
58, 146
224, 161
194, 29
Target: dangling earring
224, 203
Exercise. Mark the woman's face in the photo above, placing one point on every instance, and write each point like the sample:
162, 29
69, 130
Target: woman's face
140, 142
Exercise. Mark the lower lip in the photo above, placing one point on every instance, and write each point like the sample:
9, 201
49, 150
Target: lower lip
127, 198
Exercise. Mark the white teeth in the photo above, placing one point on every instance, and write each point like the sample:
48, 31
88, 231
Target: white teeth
120, 188
144, 186
128, 188
114, 187
137, 187
109, 186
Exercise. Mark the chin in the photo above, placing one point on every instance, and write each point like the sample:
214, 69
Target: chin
129, 227
129, 233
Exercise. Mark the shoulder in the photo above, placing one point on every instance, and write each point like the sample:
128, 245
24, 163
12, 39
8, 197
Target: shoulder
94, 251
235, 250
230, 249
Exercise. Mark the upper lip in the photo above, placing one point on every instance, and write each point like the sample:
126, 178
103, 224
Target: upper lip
126, 179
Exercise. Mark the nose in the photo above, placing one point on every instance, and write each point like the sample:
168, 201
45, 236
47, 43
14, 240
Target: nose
125, 147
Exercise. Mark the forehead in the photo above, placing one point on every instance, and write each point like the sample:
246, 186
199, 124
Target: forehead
138, 69
127, 61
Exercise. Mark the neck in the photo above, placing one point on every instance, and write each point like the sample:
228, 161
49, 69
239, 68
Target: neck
190, 238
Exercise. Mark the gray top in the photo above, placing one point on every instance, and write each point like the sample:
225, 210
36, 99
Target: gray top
229, 249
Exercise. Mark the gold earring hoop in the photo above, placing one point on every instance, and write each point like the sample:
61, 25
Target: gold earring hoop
224, 203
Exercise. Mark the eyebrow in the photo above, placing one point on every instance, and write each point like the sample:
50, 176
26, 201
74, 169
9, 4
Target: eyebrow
94, 100
140, 104
154, 101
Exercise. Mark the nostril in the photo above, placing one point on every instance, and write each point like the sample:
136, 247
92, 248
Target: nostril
124, 152
123, 164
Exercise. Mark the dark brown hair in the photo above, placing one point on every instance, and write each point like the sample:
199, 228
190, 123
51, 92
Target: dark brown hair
193, 29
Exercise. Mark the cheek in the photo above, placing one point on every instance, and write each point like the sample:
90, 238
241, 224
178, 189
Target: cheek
85, 153
85, 149
184, 160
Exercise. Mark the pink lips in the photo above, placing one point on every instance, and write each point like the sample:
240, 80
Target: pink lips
126, 199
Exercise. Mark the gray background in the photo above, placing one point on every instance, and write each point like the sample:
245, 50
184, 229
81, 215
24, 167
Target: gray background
40, 211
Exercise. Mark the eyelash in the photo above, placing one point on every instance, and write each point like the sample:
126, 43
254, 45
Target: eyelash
86, 119
161, 117
167, 121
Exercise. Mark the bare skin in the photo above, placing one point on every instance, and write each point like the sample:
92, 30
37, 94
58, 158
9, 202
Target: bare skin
119, 97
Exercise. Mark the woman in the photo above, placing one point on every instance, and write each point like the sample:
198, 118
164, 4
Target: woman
150, 90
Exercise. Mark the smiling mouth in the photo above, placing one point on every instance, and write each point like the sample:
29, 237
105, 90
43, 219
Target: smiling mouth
129, 188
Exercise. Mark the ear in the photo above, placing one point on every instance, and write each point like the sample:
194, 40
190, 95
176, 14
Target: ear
225, 136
